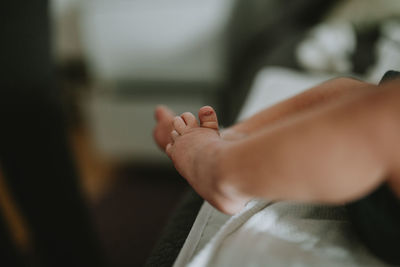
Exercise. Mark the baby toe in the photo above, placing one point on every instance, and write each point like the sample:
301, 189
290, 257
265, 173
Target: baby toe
189, 119
179, 125
208, 118
163, 113
174, 135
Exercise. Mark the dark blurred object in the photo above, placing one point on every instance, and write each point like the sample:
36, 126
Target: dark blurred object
376, 220
176, 231
364, 55
376, 217
73, 80
8, 252
34, 153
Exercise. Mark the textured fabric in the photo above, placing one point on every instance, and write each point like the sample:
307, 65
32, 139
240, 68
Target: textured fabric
206, 225
285, 234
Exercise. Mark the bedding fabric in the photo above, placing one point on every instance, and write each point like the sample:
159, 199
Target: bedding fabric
276, 234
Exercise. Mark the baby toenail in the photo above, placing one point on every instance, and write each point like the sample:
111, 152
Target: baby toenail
208, 113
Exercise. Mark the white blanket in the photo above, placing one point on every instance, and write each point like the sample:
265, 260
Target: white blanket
279, 234
274, 234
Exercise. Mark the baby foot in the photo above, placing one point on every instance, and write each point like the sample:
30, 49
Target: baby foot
191, 141
208, 118
196, 151
187, 123
161, 133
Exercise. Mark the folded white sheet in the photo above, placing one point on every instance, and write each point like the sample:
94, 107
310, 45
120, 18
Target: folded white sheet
285, 234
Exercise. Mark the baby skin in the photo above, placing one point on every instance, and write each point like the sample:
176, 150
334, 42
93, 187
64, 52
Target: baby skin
330, 144
193, 147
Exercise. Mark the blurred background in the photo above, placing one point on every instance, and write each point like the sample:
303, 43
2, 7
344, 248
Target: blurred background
112, 62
